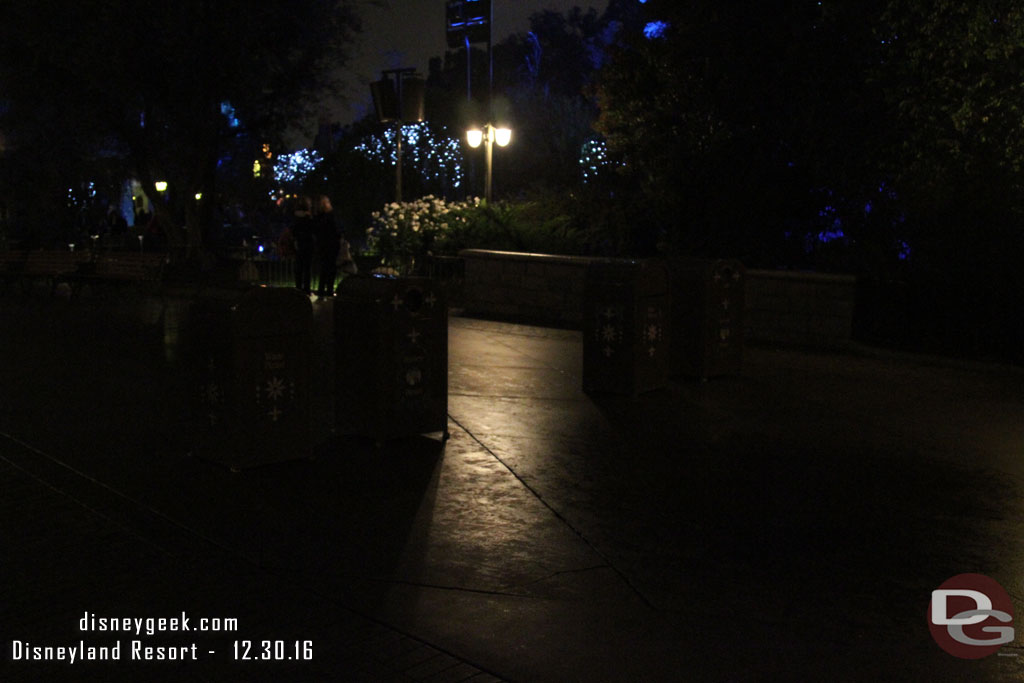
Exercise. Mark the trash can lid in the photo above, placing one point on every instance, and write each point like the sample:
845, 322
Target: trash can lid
648, 276
272, 311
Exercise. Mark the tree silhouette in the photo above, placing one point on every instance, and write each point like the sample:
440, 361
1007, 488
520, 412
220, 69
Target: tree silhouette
145, 81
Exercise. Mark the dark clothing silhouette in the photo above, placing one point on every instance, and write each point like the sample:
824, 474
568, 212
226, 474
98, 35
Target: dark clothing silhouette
328, 243
302, 234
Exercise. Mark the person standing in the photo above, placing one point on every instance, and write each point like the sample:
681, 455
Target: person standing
302, 238
328, 243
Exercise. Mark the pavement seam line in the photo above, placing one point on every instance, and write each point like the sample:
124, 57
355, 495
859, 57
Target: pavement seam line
441, 587
106, 487
539, 360
370, 617
42, 482
561, 572
558, 515
225, 549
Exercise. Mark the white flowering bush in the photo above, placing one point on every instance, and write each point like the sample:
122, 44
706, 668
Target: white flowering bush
401, 231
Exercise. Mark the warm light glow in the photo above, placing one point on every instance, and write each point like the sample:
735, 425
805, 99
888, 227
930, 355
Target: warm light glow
474, 137
161, 185
199, 195
256, 169
502, 136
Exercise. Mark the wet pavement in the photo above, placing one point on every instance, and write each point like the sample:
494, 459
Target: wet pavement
786, 523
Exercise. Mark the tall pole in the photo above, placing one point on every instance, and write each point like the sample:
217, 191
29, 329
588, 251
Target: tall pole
469, 98
390, 100
489, 131
489, 139
398, 162
490, 61
469, 71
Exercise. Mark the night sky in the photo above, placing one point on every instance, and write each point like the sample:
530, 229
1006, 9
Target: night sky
406, 33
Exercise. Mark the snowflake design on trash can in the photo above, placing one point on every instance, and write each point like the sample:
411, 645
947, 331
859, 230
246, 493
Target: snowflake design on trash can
210, 398
211, 395
609, 329
274, 396
652, 334
275, 388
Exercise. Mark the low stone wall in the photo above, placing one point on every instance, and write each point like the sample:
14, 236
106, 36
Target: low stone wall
540, 288
782, 307
799, 308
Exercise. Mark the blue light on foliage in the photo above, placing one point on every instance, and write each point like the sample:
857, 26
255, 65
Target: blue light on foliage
294, 167
593, 159
826, 236
902, 250
655, 29
229, 113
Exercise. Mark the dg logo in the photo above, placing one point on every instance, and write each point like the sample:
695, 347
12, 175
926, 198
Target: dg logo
970, 616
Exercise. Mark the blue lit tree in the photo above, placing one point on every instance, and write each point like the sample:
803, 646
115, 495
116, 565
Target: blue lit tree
431, 158
360, 174
291, 170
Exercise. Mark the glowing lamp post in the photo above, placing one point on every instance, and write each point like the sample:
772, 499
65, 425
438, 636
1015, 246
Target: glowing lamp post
488, 136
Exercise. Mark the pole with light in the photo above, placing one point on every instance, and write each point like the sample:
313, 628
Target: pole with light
488, 136
398, 99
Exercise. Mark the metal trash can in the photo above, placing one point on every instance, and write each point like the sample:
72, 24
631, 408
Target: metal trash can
625, 326
707, 316
249, 354
391, 338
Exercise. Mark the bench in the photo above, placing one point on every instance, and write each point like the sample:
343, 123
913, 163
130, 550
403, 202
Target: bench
54, 267
129, 267
123, 268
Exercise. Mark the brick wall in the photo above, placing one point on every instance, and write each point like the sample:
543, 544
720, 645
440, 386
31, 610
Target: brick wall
782, 307
530, 287
806, 309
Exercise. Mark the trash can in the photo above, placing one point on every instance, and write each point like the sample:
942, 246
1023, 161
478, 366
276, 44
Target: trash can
707, 317
391, 337
625, 326
248, 350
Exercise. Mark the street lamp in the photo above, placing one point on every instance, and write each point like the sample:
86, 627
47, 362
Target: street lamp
489, 135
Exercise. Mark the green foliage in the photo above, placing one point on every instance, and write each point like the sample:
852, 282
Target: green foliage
526, 226
957, 97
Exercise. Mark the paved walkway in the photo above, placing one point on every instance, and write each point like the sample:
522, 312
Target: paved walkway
786, 523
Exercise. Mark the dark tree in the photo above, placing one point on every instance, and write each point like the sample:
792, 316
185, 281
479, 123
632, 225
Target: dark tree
145, 81
540, 89
728, 115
